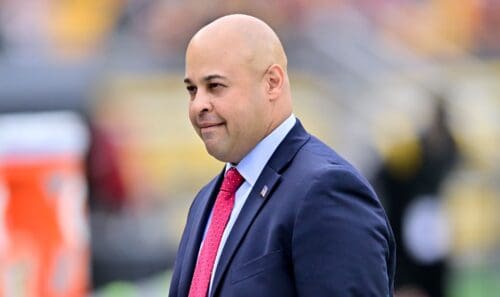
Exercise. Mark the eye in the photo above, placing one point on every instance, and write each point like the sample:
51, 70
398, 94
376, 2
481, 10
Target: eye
191, 89
215, 86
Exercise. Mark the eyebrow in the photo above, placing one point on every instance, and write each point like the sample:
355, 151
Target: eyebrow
207, 78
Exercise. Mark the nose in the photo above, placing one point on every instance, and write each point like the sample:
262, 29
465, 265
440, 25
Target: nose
201, 103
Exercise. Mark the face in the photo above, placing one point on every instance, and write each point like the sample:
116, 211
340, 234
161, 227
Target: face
227, 107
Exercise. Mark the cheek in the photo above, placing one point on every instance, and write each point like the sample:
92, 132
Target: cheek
191, 112
192, 118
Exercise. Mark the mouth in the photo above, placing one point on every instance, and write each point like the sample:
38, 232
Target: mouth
206, 127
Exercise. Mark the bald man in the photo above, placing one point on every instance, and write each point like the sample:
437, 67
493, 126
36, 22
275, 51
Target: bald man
287, 216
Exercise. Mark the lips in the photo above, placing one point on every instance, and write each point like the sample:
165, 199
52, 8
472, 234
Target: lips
207, 128
209, 125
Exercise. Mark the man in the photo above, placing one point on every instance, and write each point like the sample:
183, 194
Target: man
287, 216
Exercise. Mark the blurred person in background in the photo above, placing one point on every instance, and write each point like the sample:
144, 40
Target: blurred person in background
106, 186
287, 216
411, 188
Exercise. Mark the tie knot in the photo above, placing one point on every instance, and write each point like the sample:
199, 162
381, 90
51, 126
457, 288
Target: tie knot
232, 181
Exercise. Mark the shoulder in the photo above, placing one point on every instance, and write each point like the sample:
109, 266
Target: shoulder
205, 192
341, 237
324, 181
320, 163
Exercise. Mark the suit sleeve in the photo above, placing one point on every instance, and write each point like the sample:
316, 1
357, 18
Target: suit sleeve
342, 244
174, 282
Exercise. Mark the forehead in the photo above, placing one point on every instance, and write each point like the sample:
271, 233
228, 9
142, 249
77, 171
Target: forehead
209, 59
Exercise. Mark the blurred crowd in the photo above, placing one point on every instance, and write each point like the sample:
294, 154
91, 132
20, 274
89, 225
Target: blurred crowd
408, 90
83, 30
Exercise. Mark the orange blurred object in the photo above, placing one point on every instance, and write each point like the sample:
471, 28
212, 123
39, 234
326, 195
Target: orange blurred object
43, 226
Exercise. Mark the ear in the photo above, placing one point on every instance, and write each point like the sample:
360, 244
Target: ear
274, 79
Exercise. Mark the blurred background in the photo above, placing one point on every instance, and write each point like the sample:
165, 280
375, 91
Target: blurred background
99, 163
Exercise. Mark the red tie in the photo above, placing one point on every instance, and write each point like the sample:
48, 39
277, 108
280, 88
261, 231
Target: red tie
221, 211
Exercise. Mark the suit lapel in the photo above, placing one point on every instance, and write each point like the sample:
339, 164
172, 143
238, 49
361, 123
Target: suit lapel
253, 204
197, 228
261, 192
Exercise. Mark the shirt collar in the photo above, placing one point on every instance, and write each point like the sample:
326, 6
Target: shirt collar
252, 164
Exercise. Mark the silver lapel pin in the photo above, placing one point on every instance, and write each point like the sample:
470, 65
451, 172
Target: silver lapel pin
263, 192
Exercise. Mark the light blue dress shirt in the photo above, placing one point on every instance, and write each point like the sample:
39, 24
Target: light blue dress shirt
250, 168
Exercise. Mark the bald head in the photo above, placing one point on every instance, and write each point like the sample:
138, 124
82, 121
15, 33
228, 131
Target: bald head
253, 40
237, 80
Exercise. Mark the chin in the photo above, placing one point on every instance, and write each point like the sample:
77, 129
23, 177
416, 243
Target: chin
219, 157
216, 153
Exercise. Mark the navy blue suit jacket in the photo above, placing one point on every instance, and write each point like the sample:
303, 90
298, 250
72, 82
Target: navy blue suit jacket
319, 231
